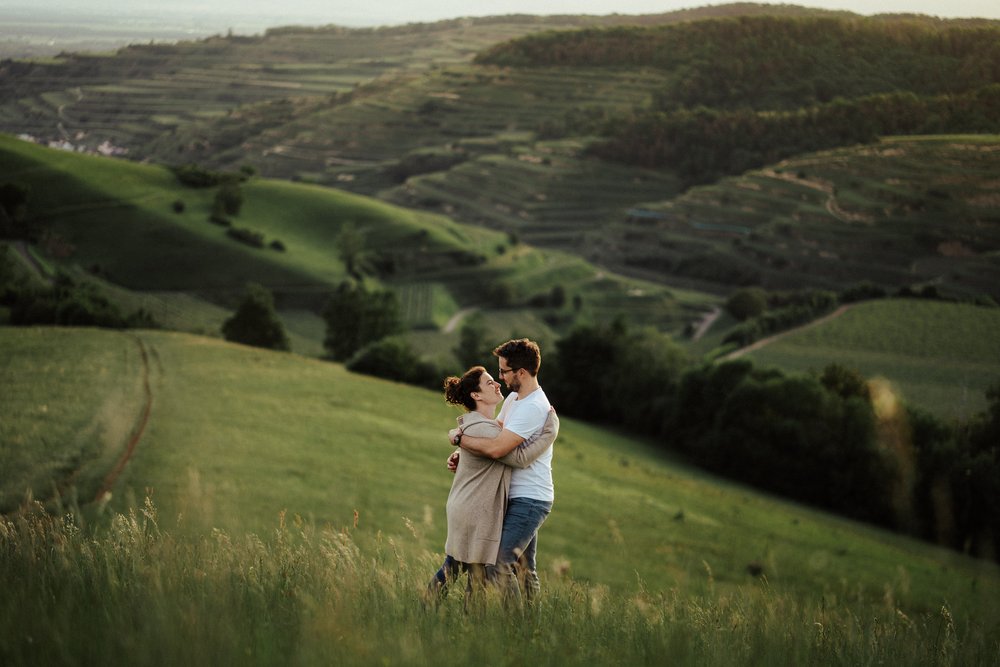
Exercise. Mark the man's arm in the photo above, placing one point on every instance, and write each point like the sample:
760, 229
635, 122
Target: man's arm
524, 455
494, 448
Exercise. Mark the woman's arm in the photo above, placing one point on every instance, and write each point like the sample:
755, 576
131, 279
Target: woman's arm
525, 454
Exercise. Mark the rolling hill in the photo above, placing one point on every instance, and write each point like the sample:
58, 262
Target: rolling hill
494, 122
941, 357
221, 448
293, 508
130, 96
205, 502
119, 222
908, 211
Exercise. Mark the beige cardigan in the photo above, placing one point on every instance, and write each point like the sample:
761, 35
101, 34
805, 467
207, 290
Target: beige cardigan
478, 497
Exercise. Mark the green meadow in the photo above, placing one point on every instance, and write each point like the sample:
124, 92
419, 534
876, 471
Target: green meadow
167, 497
278, 509
938, 356
116, 221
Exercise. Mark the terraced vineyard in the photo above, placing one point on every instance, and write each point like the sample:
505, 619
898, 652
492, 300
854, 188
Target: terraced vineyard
909, 211
941, 357
140, 92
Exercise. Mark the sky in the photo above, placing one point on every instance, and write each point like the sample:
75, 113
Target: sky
389, 12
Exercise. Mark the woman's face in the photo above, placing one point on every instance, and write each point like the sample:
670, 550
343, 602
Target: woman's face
489, 390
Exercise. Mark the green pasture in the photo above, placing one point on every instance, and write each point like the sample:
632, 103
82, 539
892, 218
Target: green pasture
237, 436
116, 220
938, 356
296, 509
64, 433
426, 305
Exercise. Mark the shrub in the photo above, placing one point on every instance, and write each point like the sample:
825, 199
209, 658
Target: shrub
473, 348
355, 318
746, 303
394, 359
13, 204
229, 198
247, 236
197, 177
862, 291
255, 322
67, 303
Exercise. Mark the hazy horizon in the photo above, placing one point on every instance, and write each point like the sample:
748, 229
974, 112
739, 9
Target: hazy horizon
264, 13
47, 27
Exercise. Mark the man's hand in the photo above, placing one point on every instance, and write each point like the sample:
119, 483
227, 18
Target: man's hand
453, 436
453, 461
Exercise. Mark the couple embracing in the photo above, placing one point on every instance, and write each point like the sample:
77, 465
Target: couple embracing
502, 491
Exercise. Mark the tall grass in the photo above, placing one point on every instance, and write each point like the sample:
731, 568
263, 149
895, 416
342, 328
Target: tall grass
133, 593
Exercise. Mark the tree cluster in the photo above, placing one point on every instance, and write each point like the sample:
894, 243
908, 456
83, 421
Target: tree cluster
67, 302
704, 144
356, 317
613, 375
774, 312
814, 438
748, 91
770, 62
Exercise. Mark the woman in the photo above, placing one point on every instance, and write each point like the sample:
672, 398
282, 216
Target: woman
478, 497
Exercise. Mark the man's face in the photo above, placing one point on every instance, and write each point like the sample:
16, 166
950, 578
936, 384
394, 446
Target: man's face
509, 375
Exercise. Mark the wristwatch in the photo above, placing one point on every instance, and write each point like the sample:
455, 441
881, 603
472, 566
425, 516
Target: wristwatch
457, 440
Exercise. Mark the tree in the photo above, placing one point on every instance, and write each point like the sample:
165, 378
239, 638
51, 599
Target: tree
747, 303
350, 245
472, 348
355, 317
229, 198
845, 382
255, 322
13, 200
394, 359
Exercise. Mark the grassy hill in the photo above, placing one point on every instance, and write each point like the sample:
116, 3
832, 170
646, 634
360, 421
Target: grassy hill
138, 92
111, 223
336, 472
505, 142
907, 211
938, 356
119, 222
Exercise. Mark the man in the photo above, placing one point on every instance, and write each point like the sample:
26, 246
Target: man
531, 490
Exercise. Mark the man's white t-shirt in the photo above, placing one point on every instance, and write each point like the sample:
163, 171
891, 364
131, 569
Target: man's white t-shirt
526, 417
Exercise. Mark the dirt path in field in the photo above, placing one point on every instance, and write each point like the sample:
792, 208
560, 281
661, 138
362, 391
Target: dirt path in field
62, 115
137, 430
457, 319
770, 339
826, 187
706, 323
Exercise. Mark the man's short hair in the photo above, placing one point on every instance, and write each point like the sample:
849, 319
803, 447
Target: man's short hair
521, 353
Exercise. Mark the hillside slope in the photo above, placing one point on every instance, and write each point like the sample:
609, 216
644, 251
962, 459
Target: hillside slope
139, 227
509, 143
140, 91
940, 357
236, 437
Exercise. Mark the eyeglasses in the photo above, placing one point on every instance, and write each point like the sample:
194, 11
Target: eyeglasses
504, 371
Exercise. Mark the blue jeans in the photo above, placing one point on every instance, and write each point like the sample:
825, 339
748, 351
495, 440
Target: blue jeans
518, 545
451, 569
